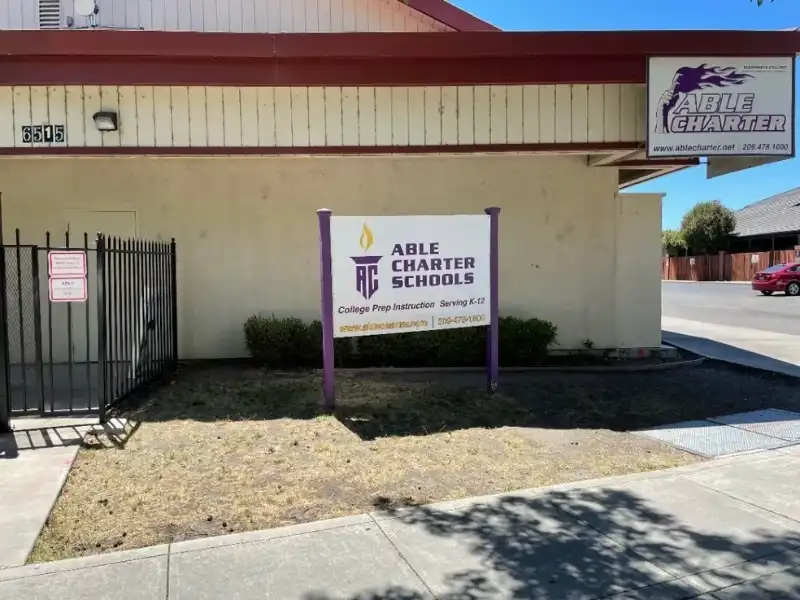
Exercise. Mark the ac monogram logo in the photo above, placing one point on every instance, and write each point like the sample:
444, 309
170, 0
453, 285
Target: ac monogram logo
366, 266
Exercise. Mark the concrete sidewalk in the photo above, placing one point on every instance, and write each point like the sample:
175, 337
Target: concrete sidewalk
34, 463
727, 529
766, 350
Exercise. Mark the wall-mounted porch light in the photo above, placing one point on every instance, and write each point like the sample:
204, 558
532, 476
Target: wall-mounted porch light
105, 121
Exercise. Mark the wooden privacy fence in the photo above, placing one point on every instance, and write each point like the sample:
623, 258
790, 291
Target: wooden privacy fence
723, 266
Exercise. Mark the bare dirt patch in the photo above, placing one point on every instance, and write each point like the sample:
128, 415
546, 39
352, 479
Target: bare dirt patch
227, 449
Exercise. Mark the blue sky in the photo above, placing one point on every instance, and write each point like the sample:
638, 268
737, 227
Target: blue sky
687, 187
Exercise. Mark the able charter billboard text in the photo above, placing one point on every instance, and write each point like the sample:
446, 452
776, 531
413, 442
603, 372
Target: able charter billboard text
720, 106
403, 274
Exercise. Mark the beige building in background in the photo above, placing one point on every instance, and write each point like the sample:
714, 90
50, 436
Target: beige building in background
230, 142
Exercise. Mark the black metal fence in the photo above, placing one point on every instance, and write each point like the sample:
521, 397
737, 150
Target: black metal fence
138, 331
100, 341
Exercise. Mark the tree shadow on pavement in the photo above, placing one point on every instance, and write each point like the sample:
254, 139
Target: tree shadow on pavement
585, 544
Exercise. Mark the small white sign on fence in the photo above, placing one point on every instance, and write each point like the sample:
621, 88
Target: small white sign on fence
754, 259
66, 263
67, 289
691, 261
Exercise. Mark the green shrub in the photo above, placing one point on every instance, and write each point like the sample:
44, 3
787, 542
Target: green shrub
283, 342
289, 342
524, 342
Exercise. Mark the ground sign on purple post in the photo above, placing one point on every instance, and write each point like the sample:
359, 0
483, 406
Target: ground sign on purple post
403, 274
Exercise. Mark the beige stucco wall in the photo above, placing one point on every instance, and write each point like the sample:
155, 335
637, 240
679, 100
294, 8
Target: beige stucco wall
638, 270
247, 230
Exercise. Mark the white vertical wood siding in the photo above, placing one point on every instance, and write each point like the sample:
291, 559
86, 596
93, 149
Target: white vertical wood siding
254, 117
237, 16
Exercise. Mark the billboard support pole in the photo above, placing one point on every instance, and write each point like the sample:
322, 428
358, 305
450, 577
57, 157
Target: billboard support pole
493, 333
326, 288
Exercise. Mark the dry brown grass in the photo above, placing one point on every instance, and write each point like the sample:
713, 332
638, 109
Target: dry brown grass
228, 449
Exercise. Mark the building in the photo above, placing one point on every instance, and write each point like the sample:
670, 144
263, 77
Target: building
226, 123
769, 224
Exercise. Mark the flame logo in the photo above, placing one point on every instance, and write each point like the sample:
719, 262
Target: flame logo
367, 239
688, 80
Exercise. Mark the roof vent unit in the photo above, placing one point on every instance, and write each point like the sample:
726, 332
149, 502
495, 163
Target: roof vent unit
89, 10
49, 14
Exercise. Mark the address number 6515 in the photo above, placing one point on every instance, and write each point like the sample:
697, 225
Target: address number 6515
43, 134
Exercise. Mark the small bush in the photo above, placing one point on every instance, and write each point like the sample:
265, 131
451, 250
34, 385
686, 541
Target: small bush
283, 342
289, 342
524, 342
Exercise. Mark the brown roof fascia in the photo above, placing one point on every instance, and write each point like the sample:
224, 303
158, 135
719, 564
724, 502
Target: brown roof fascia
103, 57
473, 44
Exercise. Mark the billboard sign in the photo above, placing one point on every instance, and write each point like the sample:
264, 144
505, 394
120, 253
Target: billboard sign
720, 106
409, 273
403, 274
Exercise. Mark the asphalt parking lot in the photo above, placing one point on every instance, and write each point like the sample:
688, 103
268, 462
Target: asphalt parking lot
731, 304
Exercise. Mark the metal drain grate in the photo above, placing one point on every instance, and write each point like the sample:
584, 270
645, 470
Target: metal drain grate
711, 439
780, 424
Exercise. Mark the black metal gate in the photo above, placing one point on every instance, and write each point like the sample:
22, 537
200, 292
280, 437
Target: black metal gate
80, 345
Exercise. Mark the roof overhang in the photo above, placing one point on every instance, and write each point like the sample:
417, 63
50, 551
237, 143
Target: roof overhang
449, 15
628, 177
634, 168
63, 57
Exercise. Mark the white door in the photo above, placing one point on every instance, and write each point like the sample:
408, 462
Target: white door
82, 335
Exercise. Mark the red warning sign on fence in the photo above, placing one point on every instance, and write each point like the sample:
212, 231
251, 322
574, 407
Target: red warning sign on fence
66, 263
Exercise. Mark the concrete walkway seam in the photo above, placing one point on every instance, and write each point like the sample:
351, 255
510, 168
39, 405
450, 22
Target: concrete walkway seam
712, 589
743, 501
402, 556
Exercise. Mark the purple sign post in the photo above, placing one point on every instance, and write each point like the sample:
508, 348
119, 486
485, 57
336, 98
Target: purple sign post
493, 333
326, 288
367, 285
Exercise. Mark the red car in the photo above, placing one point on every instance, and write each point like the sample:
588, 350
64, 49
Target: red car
778, 278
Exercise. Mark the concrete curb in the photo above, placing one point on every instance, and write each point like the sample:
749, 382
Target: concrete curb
754, 456
740, 366
85, 562
587, 369
755, 370
716, 282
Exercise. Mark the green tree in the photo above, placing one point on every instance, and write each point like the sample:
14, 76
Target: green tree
707, 227
672, 242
